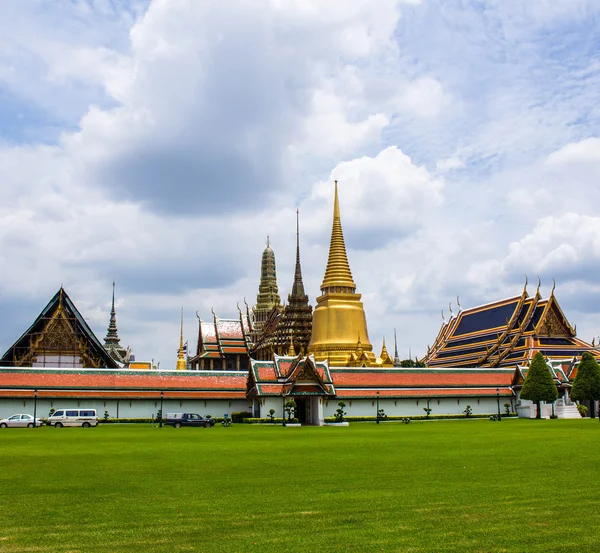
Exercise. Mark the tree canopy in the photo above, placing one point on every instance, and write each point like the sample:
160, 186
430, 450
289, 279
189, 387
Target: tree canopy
587, 382
539, 385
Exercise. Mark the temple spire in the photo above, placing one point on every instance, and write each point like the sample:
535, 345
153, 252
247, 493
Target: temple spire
339, 314
396, 358
181, 363
337, 273
112, 342
298, 286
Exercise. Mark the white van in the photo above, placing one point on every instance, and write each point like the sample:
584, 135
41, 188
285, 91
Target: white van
73, 417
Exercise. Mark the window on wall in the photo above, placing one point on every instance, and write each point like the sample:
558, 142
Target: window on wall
58, 361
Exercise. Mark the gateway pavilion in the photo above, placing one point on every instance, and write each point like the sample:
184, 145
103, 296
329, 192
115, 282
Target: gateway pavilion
266, 355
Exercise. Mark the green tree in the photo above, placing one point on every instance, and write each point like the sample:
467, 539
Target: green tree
539, 385
586, 385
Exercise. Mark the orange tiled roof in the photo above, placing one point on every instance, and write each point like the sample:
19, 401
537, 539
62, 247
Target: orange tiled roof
230, 383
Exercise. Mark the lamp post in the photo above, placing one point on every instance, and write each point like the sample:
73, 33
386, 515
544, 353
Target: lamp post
283, 409
162, 395
377, 406
498, 401
35, 394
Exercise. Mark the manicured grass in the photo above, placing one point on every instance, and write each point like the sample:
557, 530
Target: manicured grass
461, 486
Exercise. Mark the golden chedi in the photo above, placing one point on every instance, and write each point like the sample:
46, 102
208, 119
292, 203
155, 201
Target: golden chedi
339, 330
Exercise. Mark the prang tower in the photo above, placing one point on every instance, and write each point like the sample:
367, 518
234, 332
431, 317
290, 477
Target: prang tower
268, 293
339, 330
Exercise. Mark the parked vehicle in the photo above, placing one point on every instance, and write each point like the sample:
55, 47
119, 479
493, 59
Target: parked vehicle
178, 420
73, 417
20, 421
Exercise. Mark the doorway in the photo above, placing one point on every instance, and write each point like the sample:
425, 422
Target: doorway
301, 410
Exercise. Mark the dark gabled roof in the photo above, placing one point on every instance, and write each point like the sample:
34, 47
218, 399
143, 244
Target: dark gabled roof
505, 333
61, 300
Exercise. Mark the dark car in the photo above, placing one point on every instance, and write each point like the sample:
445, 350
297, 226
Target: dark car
178, 420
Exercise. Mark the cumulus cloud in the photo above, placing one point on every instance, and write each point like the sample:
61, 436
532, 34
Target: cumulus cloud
384, 198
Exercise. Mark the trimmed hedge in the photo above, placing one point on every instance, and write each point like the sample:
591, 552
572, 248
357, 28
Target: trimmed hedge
239, 416
250, 420
143, 421
131, 421
414, 418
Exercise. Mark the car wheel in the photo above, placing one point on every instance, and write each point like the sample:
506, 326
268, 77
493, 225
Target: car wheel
177, 425
3, 425
86, 425
30, 425
58, 425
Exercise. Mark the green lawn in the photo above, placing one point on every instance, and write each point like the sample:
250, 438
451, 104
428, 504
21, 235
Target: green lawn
475, 485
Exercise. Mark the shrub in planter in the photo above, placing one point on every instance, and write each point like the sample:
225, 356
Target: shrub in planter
583, 410
339, 412
468, 411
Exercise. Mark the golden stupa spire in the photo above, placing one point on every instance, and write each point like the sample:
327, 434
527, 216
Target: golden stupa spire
339, 315
384, 351
291, 350
338, 272
181, 363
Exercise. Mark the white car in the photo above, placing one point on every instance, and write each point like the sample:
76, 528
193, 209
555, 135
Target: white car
20, 421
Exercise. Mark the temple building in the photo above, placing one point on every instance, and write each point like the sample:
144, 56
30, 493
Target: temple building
268, 302
507, 333
223, 344
59, 337
288, 331
339, 332
112, 342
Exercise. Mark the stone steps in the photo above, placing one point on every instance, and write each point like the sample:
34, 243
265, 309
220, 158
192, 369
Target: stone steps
567, 412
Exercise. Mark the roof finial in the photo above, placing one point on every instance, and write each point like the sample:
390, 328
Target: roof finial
538, 286
553, 287
525, 287
458, 303
443, 318
268, 241
450, 308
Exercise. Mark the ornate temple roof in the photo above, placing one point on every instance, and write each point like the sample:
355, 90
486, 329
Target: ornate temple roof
507, 333
221, 337
290, 376
59, 330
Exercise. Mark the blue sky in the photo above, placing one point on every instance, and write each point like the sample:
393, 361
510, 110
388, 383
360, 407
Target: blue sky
158, 143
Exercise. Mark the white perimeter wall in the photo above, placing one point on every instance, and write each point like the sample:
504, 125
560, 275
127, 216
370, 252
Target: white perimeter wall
124, 408
414, 407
